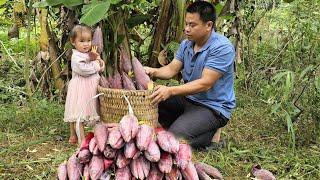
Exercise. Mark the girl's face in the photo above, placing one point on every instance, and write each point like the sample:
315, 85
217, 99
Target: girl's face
82, 41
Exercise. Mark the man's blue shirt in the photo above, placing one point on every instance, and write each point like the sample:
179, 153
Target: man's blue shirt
218, 55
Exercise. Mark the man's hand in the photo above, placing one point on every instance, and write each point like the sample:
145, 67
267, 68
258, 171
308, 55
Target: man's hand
161, 93
150, 71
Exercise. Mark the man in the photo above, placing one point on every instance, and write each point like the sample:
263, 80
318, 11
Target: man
203, 104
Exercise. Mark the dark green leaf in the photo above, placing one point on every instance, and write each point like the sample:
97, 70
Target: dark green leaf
68, 46
94, 12
218, 8
71, 3
115, 1
275, 108
305, 71
54, 2
317, 83
138, 19
2, 2
289, 84
278, 76
41, 4
227, 17
173, 46
2, 10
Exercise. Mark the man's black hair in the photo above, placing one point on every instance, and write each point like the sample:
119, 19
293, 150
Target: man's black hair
205, 9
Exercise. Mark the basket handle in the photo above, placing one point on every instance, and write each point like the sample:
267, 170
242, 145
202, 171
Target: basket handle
79, 117
130, 107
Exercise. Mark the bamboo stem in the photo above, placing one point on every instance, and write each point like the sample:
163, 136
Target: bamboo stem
27, 55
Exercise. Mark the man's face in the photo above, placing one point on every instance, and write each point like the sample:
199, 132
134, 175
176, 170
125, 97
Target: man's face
195, 29
82, 42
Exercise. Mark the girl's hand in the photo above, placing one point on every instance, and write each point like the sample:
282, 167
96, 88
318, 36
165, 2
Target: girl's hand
94, 49
98, 57
93, 54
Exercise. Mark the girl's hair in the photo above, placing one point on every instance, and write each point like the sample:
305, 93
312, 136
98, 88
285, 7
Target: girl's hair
79, 29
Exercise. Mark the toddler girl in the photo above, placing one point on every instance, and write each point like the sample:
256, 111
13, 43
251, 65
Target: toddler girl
83, 85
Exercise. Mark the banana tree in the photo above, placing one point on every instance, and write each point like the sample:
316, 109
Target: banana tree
120, 22
168, 30
107, 13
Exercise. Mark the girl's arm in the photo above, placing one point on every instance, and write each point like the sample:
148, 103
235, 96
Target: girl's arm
80, 66
102, 65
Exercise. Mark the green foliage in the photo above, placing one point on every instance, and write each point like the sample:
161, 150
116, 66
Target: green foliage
71, 3
6, 8
12, 61
138, 19
281, 61
67, 3
16, 46
55, 2
2, 2
171, 48
94, 12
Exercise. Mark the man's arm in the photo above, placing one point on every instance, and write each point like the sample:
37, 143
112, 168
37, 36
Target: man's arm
165, 72
207, 80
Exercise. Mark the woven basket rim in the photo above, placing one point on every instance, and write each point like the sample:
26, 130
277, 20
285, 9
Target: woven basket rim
100, 88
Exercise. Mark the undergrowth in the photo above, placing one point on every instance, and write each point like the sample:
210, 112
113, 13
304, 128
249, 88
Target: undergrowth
34, 143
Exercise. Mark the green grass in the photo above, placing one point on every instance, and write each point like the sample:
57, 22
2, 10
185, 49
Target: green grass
31, 145
255, 138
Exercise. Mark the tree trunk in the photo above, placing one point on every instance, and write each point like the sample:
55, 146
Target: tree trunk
44, 38
52, 47
160, 32
178, 20
55, 68
123, 30
43, 56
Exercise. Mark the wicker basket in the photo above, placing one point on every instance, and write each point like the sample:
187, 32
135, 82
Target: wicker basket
113, 105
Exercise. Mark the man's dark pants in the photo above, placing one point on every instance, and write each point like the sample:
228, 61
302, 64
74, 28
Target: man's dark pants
190, 120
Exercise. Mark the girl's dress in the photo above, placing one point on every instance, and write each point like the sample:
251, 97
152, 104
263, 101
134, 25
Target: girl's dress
82, 87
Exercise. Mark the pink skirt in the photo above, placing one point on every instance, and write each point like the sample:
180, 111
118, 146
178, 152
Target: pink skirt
79, 100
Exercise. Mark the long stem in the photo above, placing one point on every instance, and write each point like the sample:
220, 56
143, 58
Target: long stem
11, 58
27, 55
